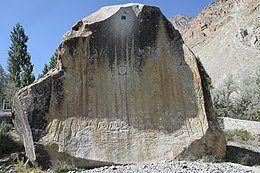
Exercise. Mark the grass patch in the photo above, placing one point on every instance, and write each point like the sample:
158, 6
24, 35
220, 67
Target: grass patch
211, 158
62, 167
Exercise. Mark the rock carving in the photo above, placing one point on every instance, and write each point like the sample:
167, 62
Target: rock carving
126, 90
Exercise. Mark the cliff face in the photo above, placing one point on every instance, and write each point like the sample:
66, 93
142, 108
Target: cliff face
126, 90
226, 37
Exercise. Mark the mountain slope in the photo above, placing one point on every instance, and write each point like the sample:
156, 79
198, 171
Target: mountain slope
226, 37
180, 21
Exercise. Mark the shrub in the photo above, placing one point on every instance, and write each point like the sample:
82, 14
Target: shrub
20, 166
4, 128
211, 158
239, 100
243, 135
8, 144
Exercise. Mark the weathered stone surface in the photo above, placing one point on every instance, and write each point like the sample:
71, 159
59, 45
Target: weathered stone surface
126, 90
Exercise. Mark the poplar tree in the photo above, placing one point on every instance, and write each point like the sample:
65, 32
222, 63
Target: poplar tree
51, 65
2, 83
53, 60
19, 60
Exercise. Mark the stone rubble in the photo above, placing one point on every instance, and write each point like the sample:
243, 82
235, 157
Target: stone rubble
169, 166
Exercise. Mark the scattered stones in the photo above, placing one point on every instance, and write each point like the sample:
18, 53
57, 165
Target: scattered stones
176, 167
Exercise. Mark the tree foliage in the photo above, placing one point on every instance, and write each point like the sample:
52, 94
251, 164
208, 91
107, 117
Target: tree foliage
3, 78
19, 60
51, 65
239, 100
53, 60
7, 87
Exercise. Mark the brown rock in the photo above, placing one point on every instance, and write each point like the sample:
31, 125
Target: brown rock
126, 90
226, 38
180, 21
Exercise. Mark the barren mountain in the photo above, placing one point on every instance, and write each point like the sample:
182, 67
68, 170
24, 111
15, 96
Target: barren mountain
226, 37
180, 21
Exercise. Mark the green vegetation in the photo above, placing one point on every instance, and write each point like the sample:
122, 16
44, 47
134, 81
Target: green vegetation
239, 100
241, 135
51, 65
19, 60
7, 87
60, 167
8, 144
211, 158
3, 79
20, 168
19, 65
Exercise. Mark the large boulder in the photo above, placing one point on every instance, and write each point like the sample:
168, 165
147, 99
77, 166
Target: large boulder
226, 37
126, 90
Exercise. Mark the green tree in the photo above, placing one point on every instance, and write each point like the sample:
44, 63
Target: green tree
7, 87
44, 71
248, 101
19, 65
223, 98
239, 99
53, 60
51, 65
27, 68
2, 83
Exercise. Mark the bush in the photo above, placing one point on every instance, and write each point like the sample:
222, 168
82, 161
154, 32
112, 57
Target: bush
20, 168
8, 144
5, 128
242, 135
238, 100
211, 158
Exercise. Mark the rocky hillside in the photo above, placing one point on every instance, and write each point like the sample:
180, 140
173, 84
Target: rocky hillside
226, 37
180, 21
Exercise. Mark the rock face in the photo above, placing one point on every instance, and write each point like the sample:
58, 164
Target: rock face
126, 90
226, 37
180, 21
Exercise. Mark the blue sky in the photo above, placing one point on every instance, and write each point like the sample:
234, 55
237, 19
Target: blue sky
46, 21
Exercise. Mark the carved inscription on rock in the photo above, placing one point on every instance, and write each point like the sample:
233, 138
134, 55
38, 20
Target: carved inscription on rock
122, 70
106, 126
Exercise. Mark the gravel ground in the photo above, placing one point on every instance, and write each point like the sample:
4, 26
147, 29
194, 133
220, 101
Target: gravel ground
175, 167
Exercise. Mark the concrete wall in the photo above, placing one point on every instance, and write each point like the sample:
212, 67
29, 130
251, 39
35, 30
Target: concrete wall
232, 124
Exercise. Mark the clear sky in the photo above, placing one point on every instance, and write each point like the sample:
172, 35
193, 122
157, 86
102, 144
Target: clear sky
46, 21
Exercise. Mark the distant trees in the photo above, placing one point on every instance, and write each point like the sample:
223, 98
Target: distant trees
51, 65
2, 83
19, 60
239, 100
53, 60
7, 87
